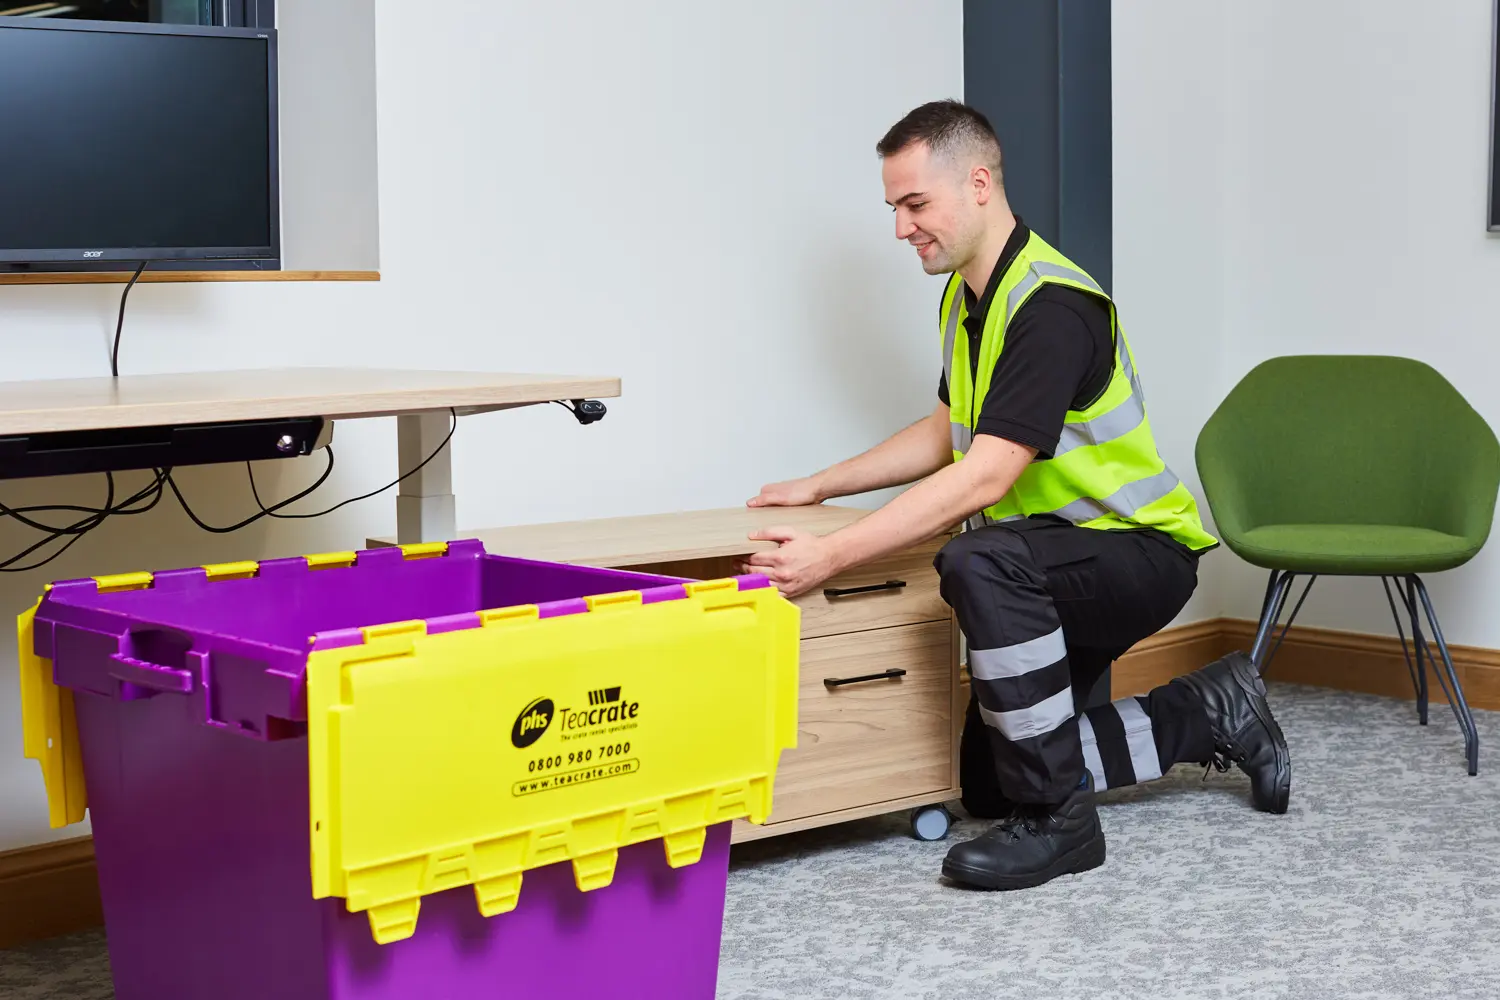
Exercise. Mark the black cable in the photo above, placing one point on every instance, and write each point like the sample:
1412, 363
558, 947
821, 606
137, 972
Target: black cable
97, 516
114, 355
152, 494
110, 508
265, 512
364, 496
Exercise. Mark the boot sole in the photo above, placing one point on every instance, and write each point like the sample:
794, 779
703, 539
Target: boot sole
1085, 857
1248, 678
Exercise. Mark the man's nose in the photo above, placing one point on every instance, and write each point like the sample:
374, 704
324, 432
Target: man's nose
904, 226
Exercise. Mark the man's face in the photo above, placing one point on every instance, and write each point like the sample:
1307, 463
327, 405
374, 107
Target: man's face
937, 209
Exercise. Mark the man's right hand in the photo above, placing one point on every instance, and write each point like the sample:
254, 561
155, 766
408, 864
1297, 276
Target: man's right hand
792, 493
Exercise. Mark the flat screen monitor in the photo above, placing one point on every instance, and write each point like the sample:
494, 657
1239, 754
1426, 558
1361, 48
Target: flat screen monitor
137, 142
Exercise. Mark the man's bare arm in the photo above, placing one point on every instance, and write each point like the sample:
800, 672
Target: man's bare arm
938, 503
910, 454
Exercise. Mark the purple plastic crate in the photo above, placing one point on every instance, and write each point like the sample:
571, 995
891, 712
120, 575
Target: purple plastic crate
191, 714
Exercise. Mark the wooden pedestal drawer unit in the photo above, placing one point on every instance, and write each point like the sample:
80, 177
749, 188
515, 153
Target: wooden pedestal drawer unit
879, 712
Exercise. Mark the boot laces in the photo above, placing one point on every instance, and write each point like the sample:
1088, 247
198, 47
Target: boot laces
1024, 817
1226, 752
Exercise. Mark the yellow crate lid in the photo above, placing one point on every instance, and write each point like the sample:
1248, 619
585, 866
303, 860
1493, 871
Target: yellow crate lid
471, 756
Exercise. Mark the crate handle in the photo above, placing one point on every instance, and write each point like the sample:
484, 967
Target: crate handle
152, 676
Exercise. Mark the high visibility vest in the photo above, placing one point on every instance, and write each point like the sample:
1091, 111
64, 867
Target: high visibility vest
1106, 472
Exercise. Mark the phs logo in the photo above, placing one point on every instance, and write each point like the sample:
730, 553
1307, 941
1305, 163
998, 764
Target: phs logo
532, 723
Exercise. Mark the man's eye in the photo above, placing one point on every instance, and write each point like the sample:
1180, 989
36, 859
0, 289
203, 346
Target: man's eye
917, 206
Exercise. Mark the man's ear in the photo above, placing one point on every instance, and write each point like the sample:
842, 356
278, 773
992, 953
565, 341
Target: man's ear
982, 183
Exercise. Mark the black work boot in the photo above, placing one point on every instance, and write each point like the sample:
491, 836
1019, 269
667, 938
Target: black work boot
1035, 844
1244, 731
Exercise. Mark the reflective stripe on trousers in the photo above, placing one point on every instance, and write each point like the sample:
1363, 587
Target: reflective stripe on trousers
1139, 744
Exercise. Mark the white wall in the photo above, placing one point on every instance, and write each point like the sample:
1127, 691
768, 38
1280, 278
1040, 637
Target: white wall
1355, 219
1305, 178
1168, 89
678, 193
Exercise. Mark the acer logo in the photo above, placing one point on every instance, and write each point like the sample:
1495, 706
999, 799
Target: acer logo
93, 253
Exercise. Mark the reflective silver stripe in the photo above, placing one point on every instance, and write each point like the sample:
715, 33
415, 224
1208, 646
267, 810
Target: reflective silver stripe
961, 437
1038, 271
1048, 270
1024, 723
976, 522
1129, 369
1106, 426
1125, 501
1018, 294
949, 332
1144, 760
1022, 658
1091, 758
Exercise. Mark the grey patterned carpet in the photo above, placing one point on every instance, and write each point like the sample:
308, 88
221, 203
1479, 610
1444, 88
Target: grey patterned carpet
1383, 881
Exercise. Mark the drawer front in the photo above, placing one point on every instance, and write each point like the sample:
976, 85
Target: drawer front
861, 599
871, 741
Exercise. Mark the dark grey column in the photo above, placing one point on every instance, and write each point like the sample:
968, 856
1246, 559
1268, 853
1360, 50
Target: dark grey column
1039, 70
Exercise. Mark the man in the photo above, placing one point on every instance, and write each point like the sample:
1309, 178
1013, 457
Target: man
1081, 541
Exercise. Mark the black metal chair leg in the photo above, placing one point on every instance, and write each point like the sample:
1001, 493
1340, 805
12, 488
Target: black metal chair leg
1455, 694
1265, 602
1418, 684
1270, 612
1420, 650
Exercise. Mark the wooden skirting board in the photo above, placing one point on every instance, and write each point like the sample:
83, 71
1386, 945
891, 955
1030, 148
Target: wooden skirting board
53, 889
159, 277
47, 891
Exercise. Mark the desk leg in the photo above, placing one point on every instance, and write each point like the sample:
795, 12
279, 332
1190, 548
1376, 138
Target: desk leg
424, 505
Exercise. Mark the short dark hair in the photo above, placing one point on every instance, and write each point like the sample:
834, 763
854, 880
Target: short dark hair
946, 127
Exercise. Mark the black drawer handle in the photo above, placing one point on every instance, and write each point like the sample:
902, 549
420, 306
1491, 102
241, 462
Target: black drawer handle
889, 675
832, 592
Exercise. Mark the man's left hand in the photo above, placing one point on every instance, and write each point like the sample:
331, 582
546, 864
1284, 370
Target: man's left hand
800, 562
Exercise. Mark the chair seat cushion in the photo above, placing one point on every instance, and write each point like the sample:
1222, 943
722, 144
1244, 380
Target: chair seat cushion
1352, 549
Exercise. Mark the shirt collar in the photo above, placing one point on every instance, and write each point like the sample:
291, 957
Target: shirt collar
980, 308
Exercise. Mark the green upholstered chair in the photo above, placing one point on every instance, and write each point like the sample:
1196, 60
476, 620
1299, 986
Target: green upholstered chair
1354, 466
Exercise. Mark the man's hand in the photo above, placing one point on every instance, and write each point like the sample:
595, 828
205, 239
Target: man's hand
792, 493
798, 564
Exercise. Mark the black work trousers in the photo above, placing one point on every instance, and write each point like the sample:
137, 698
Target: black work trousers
1046, 607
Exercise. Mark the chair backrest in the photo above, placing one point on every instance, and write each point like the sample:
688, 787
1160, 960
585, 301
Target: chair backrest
1349, 439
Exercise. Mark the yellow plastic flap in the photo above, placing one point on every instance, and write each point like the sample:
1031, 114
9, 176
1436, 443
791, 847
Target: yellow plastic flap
468, 757
242, 570
49, 732
424, 550
123, 581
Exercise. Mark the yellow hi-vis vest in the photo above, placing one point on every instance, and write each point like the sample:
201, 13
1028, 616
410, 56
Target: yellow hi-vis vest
1106, 472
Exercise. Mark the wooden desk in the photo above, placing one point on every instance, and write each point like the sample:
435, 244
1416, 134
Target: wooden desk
863, 749
419, 400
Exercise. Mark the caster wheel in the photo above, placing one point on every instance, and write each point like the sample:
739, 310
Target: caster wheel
930, 823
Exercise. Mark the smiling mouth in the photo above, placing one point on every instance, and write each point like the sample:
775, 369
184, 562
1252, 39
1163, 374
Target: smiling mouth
922, 248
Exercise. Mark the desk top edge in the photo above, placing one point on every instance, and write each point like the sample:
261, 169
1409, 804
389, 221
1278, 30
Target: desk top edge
44, 405
646, 539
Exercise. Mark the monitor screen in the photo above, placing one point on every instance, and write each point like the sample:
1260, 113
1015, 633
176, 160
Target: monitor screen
137, 142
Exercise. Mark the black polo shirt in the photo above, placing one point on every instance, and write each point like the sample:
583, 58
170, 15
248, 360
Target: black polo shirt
1058, 356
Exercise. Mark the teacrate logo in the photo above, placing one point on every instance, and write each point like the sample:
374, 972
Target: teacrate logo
608, 707
531, 723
